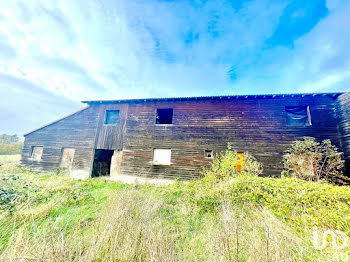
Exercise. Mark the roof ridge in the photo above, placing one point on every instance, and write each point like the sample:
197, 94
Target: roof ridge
209, 97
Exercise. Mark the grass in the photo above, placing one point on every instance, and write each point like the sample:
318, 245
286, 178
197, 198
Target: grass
50, 217
10, 159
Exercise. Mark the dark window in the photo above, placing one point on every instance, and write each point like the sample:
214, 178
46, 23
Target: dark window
208, 153
164, 116
298, 116
112, 117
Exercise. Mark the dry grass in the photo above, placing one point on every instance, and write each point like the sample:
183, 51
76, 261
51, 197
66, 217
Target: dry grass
131, 227
96, 220
10, 159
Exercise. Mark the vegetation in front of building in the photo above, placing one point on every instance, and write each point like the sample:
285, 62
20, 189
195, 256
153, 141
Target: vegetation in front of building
313, 161
231, 214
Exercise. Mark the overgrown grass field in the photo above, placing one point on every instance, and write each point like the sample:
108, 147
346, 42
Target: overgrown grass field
14, 159
50, 217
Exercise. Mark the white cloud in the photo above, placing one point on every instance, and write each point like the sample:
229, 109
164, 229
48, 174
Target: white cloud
79, 50
326, 82
322, 57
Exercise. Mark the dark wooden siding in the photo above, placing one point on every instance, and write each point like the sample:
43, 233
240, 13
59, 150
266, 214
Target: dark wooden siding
254, 124
111, 136
343, 107
257, 125
77, 131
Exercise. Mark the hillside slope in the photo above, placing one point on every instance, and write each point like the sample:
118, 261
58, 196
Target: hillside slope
53, 218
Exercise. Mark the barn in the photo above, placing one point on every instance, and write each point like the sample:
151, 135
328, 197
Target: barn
168, 138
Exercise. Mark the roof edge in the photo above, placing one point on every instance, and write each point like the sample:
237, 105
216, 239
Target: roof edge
53, 122
334, 94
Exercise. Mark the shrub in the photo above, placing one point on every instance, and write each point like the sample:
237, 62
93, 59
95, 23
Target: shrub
228, 164
11, 148
310, 160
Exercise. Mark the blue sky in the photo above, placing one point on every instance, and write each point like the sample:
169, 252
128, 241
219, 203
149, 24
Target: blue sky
55, 53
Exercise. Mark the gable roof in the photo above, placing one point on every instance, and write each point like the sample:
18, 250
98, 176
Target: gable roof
53, 122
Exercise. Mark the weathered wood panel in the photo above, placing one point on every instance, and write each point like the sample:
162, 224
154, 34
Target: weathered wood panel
77, 131
254, 124
343, 107
257, 125
111, 136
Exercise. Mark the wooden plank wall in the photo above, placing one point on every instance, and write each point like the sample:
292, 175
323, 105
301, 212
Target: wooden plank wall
343, 107
111, 136
257, 125
77, 131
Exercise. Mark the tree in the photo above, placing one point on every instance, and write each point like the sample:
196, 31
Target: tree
8, 139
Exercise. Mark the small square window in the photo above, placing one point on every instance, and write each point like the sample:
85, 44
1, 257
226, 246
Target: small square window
298, 115
37, 152
208, 153
164, 116
112, 117
161, 156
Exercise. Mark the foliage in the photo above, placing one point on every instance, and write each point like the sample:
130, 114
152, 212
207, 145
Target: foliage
8, 139
310, 160
227, 165
11, 148
14, 190
239, 218
10, 145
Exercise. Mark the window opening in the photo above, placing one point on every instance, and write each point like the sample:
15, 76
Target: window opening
164, 116
112, 117
298, 115
208, 153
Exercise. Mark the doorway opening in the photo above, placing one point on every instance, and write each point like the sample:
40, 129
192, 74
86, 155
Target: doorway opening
102, 163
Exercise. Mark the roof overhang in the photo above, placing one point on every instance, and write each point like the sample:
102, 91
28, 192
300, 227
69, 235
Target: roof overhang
204, 98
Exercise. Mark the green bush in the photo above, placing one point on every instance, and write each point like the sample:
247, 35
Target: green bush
310, 160
11, 148
242, 218
228, 164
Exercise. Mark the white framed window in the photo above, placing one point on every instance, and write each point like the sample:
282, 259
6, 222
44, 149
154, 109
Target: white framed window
161, 156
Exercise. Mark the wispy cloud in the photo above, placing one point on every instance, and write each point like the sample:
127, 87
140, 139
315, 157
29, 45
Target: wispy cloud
68, 51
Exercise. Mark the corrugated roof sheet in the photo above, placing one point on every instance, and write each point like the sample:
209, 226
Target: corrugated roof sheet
207, 97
